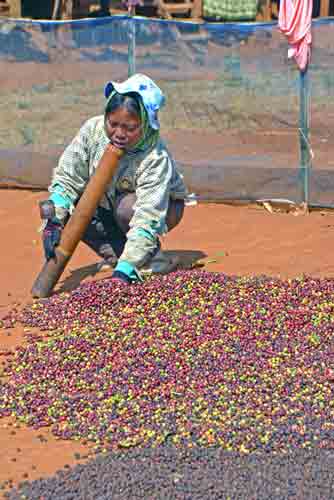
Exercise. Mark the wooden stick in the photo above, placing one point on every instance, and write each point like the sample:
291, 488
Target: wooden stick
78, 223
324, 8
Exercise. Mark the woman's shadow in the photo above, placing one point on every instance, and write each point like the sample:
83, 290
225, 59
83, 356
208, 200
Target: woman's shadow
183, 259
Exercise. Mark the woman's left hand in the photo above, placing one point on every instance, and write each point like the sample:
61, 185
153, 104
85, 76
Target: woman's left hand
125, 272
120, 278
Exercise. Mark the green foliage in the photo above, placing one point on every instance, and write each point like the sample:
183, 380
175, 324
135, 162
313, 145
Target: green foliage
24, 105
42, 89
27, 133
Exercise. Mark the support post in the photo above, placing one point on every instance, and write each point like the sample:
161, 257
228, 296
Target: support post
324, 8
305, 154
131, 42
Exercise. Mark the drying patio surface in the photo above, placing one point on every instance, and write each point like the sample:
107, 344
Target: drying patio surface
235, 240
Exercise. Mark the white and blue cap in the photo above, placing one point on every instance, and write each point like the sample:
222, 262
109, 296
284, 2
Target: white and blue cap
151, 95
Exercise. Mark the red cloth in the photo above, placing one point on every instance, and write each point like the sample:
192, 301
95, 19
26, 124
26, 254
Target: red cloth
294, 20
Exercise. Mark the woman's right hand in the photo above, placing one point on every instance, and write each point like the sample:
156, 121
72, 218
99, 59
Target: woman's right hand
51, 237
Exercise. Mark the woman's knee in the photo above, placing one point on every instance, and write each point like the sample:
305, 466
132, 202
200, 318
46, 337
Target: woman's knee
175, 213
124, 211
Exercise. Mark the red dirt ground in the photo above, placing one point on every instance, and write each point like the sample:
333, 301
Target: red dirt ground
253, 241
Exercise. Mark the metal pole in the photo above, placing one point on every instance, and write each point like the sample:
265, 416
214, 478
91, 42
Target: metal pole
131, 41
304, 101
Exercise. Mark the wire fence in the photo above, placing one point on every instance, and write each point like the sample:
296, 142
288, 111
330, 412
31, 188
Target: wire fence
232, 112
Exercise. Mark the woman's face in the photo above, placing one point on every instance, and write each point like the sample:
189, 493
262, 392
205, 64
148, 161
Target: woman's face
123, 128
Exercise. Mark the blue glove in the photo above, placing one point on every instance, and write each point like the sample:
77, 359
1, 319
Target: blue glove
125, 273
51, 237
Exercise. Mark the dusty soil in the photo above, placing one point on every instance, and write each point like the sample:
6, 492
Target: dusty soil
230, 239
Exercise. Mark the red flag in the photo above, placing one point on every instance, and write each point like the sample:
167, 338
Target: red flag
294, 21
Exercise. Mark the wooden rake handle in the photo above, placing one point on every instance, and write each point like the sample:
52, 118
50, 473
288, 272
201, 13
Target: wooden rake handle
78, 223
